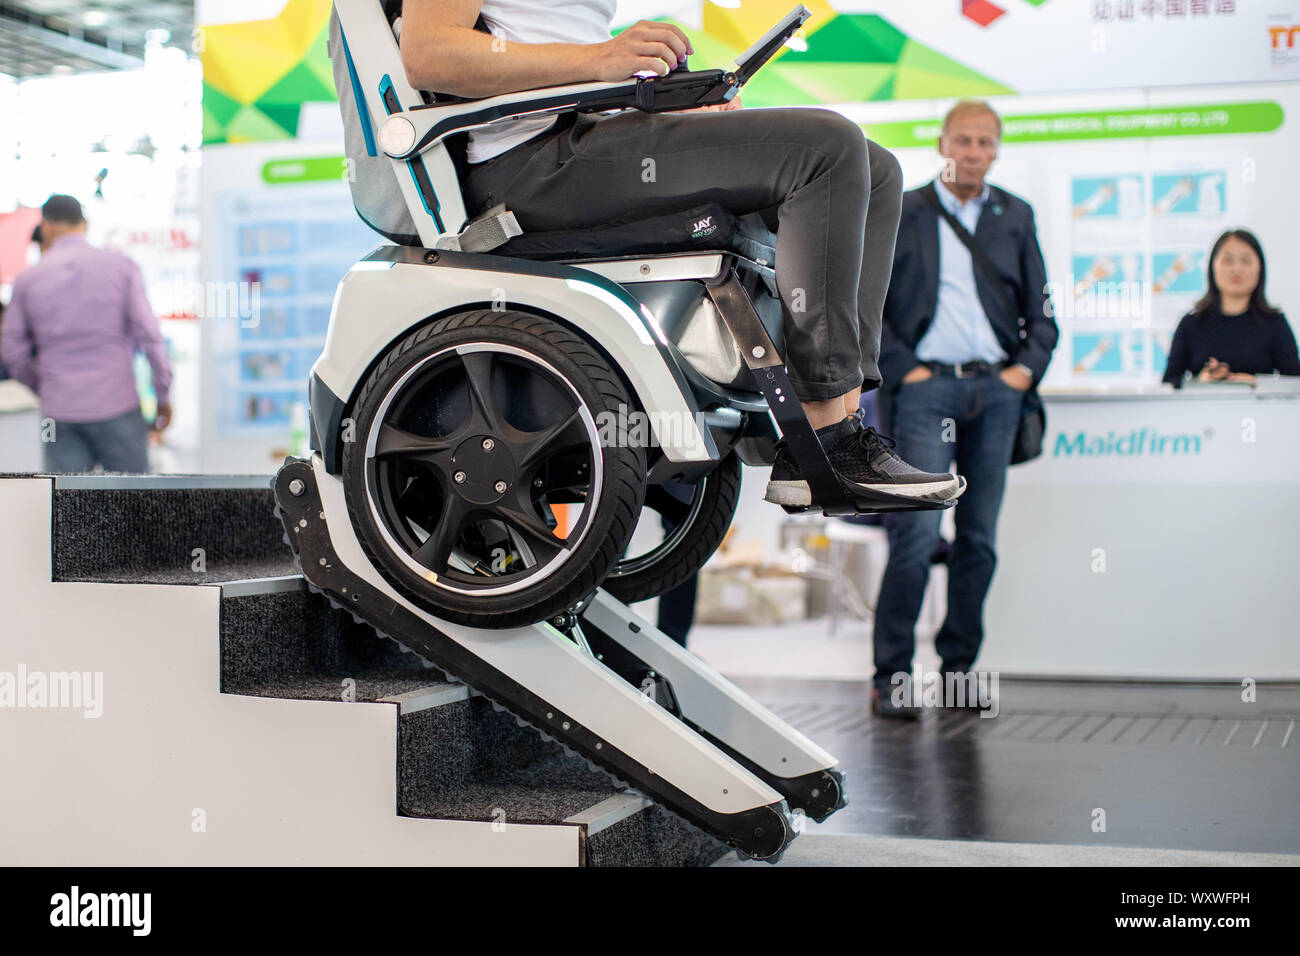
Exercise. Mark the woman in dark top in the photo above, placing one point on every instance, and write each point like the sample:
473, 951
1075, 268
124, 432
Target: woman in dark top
1233, 334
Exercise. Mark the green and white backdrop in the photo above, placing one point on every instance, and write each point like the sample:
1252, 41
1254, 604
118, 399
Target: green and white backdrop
1138, 130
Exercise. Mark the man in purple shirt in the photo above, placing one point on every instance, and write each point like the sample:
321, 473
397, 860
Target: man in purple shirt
71, 331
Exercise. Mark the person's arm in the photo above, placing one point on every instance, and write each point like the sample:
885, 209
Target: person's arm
16, 341
1176, 366
1042, 333
442, 52
147, 334
897, 360
1285, 359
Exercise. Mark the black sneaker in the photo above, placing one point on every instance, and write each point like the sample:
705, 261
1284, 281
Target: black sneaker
863, 459
884, 705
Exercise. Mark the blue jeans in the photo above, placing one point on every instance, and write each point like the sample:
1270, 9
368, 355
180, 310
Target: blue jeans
973, 420
119, 444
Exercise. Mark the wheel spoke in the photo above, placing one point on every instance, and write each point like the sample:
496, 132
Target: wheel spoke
436, 549
478, 376
543, 543
657, 499
395, 442
533, 448
418, 501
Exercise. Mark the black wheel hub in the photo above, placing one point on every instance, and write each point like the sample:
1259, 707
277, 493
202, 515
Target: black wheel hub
482, 470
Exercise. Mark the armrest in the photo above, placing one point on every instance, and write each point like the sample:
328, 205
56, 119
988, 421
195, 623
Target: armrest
405, 134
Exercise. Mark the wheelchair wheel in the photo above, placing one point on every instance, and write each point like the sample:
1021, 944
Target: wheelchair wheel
468, 433
700, 526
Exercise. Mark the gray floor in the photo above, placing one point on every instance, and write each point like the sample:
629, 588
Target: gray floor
1179, 774
824, 849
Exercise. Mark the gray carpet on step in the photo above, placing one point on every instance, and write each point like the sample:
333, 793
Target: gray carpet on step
214, 572
293, 639
126, 535
468, 762
366, 687
653, 837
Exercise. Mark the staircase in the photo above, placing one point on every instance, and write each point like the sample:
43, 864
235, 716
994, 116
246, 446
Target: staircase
477, 786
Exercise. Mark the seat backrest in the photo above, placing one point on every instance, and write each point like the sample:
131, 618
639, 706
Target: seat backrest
411, 202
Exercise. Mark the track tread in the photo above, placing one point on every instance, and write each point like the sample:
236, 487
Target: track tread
593, 763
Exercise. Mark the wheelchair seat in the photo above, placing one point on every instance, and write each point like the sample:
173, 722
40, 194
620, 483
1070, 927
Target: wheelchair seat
706, 227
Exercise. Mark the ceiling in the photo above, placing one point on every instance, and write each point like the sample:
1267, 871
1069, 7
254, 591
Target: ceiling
43, 37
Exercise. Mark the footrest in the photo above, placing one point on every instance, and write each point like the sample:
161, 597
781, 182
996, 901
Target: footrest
873, 503
760, 355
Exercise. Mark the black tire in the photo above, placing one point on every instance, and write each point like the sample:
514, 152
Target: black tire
380, 476
705, 525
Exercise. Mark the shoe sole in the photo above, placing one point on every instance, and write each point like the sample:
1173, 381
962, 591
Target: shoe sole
796, 494
894, 715
910, 714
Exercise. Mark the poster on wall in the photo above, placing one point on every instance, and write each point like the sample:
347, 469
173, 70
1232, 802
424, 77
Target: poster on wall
282, 233
280, 228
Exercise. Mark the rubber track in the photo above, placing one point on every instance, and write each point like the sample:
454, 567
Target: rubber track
592, 764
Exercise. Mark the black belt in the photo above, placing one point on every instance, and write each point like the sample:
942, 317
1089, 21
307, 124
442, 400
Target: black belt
966, 369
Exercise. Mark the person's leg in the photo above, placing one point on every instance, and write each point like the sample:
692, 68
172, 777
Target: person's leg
812, 162
984, 443
920, 410
883, 212
70, 452
122, 443
677, 609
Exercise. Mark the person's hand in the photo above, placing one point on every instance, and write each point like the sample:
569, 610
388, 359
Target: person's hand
1245, 377
1016, 378
163, 418
733, 103
918, 374
644, 46
1214, 371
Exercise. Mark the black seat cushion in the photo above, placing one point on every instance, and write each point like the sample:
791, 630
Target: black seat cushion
707, 226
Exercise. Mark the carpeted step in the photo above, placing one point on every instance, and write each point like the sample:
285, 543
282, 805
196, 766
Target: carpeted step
511, 774
159, 529
279, 640
652, 837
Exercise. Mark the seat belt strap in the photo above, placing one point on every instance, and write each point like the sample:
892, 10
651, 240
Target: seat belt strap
493, 228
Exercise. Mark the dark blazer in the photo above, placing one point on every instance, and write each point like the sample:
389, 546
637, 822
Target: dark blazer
1008, 235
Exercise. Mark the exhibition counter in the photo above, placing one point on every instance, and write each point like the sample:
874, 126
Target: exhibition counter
1156, 537
20, 429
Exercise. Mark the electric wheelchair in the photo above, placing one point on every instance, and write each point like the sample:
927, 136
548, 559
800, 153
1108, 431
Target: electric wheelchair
476, 377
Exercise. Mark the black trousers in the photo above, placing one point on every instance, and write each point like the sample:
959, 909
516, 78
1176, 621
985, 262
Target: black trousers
838, 197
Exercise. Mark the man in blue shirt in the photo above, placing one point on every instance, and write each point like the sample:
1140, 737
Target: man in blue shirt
963, 343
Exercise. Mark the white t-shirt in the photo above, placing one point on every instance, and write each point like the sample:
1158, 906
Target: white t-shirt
534, 21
